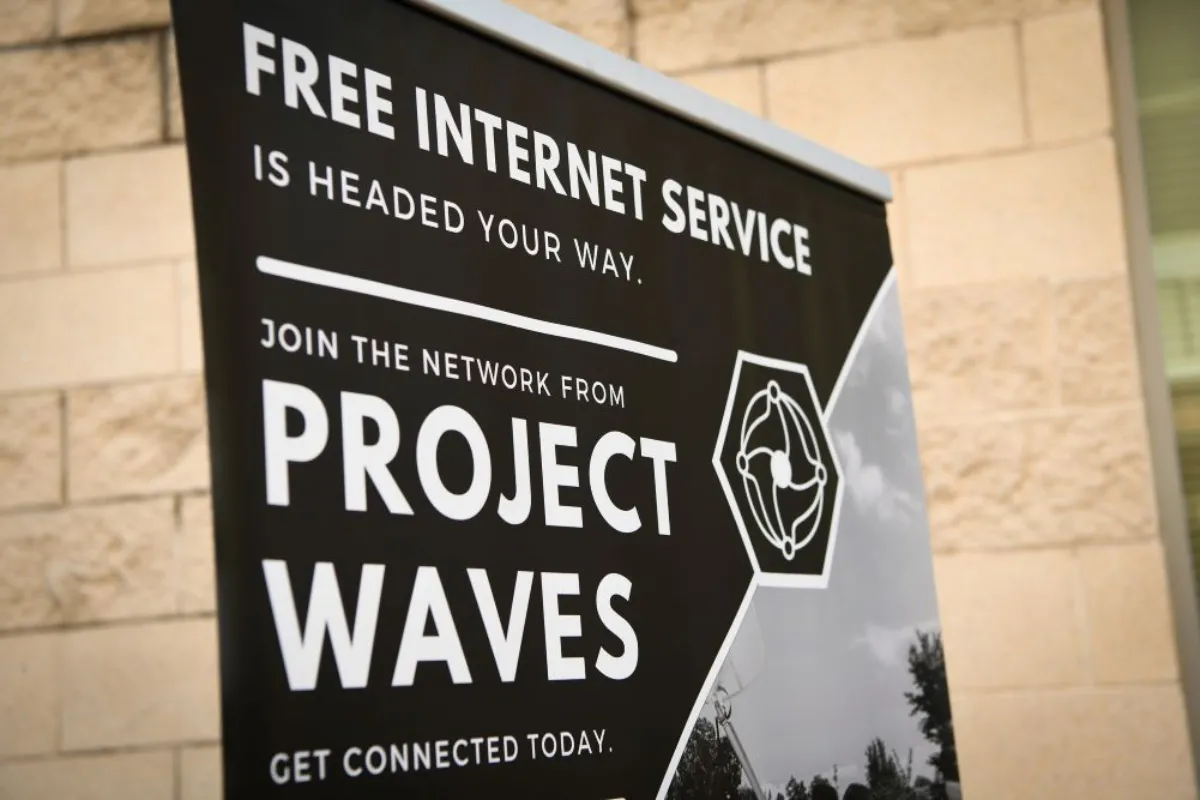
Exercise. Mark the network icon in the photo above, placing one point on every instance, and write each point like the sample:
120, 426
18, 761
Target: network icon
779, 456
779, 471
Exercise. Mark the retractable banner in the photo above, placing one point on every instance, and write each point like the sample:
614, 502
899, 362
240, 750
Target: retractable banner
560, 424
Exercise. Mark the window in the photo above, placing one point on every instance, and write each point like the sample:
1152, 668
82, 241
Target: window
1165, 38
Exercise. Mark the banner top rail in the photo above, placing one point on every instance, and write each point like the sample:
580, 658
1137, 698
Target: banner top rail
528, 33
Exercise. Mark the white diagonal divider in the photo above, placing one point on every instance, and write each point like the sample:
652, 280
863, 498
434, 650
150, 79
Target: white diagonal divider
398, 294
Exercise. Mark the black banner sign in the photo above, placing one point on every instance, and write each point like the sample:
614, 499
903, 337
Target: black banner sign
518, 391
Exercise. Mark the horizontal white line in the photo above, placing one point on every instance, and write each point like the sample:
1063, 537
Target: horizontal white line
349, 283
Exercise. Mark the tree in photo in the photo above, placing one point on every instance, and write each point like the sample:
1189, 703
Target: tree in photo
822, 789
887, 777
856, 791
709, 768
930, 700
925, 789
796, 790
746, 793
882, 770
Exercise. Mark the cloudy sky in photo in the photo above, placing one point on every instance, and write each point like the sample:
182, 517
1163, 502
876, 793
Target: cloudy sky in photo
829, 667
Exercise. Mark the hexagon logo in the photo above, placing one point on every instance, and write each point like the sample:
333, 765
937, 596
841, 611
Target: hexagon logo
779, 471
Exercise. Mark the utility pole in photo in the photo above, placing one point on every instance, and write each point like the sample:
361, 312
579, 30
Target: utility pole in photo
742, 666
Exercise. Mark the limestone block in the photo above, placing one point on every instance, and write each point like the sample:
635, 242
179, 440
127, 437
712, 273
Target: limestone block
1066, 75
1054, 478
128, 207
140, 685
26, 21
906, 101
128, 776
1089, 744
996, 637
141, 438
1053, 213
1096, 341
1129, 613
87, 96
30, 450
604, 22
86, 17
197, 588
28, 697
1095, 473
200, 774
191, 340
84, 328
87, 564
31, 217
738, 86
684, 34
981, 349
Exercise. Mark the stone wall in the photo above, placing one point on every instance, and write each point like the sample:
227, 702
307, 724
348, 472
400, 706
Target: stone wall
994, 120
